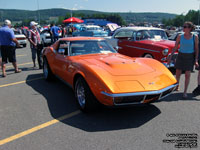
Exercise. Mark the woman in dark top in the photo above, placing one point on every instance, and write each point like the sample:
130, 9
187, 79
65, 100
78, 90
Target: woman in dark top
188, 54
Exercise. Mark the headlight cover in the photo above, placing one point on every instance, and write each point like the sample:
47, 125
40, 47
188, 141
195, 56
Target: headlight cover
165, 52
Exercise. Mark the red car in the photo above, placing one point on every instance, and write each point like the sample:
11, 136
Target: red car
143, 42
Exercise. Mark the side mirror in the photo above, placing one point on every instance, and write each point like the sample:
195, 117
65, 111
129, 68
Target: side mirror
61, 51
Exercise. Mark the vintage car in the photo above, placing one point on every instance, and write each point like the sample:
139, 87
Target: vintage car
46, 38
143, 42
21, 38
174, 36
98, 74
90, 30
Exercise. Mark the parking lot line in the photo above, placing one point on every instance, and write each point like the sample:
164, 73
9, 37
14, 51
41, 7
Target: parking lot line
20, 55
36, 128
20, 82
20, 64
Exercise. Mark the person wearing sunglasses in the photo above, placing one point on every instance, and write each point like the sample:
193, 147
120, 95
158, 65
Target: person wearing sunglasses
187, 55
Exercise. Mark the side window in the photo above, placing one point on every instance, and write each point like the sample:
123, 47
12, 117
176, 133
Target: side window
119, 34
124, 34
142, 35
138, 35
63, 47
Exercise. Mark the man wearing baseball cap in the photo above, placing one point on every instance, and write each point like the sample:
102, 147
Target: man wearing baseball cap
34, 39
8, 44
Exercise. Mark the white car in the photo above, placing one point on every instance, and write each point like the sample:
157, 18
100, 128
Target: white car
90, 30
21, 38
46, 38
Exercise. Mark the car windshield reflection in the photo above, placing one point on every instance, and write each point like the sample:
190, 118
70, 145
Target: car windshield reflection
144, 35
151, 34
160, 33
90, 47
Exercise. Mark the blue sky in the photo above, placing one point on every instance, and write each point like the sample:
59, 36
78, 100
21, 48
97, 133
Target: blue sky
169, 6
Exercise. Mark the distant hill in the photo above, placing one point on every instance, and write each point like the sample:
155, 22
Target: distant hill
46, 14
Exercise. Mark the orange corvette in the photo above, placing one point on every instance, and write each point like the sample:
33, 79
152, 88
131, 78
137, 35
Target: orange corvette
98, 74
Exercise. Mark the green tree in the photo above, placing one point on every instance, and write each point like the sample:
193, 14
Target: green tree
60, 20
178, 20
192, 16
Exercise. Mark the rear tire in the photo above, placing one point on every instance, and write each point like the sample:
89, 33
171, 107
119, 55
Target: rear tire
84, 96
48, 75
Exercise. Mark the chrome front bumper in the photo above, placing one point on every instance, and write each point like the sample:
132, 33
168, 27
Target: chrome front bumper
140, 97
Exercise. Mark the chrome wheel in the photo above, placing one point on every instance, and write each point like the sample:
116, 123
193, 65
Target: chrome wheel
148, 56
84, 97
80, 92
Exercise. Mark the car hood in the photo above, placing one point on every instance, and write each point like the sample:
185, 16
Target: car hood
119, 65
119, 73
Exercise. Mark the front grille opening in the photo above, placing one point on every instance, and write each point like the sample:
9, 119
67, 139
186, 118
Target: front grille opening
128, 99
167, 92
152, 97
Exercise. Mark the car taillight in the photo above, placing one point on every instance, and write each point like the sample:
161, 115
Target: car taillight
21, 38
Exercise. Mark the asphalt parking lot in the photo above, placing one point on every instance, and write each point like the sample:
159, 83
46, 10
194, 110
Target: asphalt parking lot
36, 114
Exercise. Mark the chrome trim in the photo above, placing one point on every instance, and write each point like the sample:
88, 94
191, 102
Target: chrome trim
171, 65
144, 98
161, 95
140, 93
54, 51
143, 48
125, 104
164, 59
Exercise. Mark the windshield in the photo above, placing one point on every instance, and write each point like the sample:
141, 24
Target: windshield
16, 32
94, 28
144, 35
162, 34
90, 47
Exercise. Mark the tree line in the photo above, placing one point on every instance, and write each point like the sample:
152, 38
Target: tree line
179, 20
115, 18
47, 16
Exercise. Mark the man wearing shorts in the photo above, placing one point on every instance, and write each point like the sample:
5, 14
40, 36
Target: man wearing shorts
0, 58
8, 44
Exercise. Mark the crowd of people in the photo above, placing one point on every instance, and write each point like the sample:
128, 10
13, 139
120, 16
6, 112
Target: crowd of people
187, 58
9, 43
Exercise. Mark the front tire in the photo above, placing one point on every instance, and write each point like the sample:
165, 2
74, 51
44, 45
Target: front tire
148, 56
48, 75
84, 96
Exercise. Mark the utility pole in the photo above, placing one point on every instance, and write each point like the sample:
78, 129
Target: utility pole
2, 16
198, 12
71, 12
38, 9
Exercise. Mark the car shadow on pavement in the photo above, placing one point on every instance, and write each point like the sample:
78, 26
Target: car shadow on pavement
61, 101
177, 96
